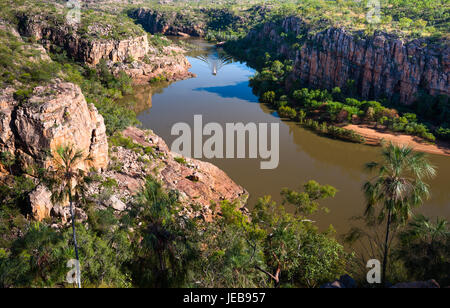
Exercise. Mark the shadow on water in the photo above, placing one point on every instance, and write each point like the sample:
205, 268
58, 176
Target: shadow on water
238, 91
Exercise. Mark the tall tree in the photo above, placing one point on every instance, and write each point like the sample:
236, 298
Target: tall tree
397, 188
67, 183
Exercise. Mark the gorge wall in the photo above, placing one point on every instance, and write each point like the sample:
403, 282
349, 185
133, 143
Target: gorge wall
134, 55
382, 66
86, 50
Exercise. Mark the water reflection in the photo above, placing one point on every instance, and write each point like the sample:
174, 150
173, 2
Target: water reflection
215, 61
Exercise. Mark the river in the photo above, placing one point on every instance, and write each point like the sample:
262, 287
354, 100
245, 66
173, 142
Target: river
226, 97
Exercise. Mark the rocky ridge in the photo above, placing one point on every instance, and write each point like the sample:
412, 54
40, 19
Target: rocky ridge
83, 49
132, 55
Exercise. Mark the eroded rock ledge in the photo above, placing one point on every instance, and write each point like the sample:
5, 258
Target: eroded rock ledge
133, 55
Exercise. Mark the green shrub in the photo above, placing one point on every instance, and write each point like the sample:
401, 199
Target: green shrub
287, 112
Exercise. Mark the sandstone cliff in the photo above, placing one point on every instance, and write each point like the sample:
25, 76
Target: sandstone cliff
381, 65
170, 64
81, 48
55, 115
133, 55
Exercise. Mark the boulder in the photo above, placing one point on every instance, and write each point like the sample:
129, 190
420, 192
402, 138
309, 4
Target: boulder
41, 203
116, 204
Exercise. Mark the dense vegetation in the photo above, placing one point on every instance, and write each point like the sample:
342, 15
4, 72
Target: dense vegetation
154, 245
231, 19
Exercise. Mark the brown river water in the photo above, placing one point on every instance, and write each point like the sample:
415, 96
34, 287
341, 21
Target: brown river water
226, 97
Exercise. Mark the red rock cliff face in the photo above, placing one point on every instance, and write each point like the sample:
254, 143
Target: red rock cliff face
86, 50
381, 66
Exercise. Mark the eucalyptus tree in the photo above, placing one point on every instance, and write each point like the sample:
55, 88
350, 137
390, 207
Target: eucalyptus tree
397, 188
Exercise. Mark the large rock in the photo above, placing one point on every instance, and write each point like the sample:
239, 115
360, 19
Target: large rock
171, 64
56, 115
116, 204
41, 204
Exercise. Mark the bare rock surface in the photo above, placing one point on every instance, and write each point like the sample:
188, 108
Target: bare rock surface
197, 182
133, 55
41, 204
86, 50
170, 64
57, 115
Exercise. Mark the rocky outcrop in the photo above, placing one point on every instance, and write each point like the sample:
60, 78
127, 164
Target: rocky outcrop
381, 65
171, 64
169, 23
84, 49
41, 203
133, 55
197, 182
55, 115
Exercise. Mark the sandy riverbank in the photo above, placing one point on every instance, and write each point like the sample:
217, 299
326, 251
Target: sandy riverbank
374, 137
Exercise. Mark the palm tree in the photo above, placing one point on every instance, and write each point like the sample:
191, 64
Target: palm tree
424, 249
67, 183
397, 188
